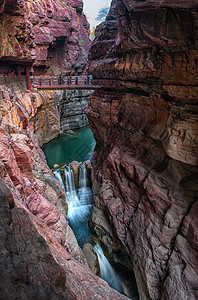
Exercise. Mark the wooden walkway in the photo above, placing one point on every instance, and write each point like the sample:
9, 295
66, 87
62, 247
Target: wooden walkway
53, 83
68, 87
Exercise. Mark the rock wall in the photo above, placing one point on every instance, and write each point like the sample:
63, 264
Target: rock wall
40, 257
41, 108
144, 119
16, 31
55, 112
54, 34
50, 113
71, 110
44, 120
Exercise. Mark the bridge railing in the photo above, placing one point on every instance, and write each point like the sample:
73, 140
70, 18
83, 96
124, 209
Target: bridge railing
55, 80
41, 81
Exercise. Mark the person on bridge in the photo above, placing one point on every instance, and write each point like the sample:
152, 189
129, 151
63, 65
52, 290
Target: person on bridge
88, 79
60, 79
63, 79
68, 80
85, 79
76, 80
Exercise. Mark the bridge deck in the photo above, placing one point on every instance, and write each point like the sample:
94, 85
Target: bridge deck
68, 87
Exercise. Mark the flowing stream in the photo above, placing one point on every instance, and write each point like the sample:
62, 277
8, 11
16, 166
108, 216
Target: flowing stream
79, 202
79, 199
108, 273
79, 206
79, 210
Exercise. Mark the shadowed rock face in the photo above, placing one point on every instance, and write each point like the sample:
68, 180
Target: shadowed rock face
53, 33
2, 4
25, 256
145, 124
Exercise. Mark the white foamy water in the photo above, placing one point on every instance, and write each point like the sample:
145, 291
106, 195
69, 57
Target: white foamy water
108, 273
79, 209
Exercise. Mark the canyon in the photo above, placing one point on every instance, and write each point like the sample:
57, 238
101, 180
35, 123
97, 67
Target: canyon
40, 257
144, 119
144, 166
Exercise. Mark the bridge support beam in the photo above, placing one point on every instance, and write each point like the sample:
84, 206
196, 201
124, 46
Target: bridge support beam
18, 70
28, 78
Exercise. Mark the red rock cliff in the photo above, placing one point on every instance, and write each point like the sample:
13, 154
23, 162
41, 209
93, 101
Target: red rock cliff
53, 33
145, 123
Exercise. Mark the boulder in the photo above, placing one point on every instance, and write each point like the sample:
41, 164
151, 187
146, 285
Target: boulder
91, 258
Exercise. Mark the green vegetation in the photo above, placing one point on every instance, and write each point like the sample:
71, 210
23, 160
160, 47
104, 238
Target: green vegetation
103, 12
62, 4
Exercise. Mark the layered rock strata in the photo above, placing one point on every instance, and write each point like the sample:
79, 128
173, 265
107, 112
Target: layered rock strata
144, 119
40, 257
54, 34
51, 113
71, 110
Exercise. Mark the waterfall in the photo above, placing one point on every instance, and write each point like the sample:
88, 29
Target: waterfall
58, 176
77, 206
108, 273
79, 210
82, 175
71, 195
84, 191
79, 203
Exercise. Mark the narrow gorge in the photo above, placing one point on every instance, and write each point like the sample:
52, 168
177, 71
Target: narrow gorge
144, 167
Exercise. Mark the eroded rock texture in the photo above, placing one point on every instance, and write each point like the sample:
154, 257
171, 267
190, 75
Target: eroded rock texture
51, 113
25, 172
71, 109
53, 33
40, 257
144, 119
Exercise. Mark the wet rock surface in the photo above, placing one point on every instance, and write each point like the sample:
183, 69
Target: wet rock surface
144, 121
91, 258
